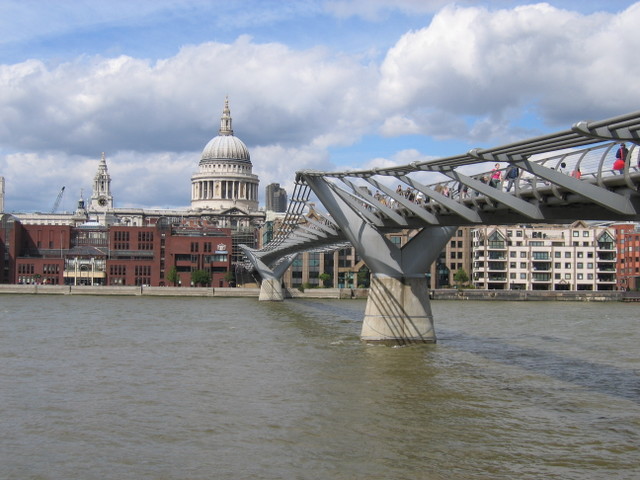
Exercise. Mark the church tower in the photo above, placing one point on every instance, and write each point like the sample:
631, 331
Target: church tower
101, 198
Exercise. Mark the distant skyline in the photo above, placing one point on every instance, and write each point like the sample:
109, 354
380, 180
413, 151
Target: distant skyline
312, 84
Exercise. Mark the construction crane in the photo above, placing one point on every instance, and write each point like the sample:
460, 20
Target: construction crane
57, 202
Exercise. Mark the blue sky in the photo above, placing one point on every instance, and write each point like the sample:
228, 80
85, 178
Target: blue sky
312, 84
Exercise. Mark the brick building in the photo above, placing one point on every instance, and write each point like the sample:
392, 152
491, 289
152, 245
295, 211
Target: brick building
628, 249
92, 254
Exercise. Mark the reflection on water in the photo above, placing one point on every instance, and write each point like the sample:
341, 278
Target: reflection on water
139, 388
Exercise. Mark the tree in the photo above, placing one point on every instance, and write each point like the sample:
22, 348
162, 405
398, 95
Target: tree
172, 275
229, 277
200, 277
460, 277
325, 278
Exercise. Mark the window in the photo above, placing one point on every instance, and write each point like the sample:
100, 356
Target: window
567, 265
585, 233
567, 254
580, 254
557, 265
557, 254
576, 233
523, 254
579, 276
523, 265
580, 265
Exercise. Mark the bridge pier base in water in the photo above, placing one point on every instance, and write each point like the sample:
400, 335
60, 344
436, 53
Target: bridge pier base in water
271, 285
271, 290
398, 311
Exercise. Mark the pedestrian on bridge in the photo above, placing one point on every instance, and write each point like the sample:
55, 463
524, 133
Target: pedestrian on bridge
621, 158
511, 175
496, 176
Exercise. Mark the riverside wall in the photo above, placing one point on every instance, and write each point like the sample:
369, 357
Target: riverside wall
330, 293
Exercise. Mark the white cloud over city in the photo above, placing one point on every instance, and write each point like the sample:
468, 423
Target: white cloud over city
476, 73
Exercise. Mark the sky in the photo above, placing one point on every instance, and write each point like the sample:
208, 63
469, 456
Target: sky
312, 84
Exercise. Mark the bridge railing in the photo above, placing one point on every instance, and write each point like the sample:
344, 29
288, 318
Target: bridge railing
590, 164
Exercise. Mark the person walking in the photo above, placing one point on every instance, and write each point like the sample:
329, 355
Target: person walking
496, 176
621, 158
511, 175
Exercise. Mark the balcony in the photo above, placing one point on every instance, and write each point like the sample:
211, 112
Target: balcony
496, 278
606, 278
497, 266
606, 267
540, 277
541, 266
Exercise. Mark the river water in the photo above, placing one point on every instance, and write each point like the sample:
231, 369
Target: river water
223, 388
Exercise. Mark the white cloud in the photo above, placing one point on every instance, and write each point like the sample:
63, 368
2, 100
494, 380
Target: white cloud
479, 63
472, 74
277, 95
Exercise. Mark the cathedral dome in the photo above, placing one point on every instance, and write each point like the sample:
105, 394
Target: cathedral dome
225, 146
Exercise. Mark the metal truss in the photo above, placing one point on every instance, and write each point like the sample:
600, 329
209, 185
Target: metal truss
454, 191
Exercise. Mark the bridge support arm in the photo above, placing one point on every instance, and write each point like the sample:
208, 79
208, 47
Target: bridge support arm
271, 286
398, 309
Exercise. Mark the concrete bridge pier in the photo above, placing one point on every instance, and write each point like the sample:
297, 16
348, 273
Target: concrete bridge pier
398, 309
271, 286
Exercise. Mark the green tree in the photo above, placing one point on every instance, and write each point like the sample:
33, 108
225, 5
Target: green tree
229, 277
200, 277
172, 275
325, 278
460, 277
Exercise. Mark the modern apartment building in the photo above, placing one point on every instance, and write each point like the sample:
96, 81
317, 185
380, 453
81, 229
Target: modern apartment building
579, 256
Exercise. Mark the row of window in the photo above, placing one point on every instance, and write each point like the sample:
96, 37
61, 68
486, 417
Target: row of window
542, 276
540, 266
22, 279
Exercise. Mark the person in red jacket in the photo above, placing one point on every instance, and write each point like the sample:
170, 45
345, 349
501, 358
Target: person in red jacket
621, 158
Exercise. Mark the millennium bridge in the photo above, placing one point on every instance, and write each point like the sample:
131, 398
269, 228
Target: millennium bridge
560, 178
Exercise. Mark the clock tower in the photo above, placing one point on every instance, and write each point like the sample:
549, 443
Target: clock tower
101, 198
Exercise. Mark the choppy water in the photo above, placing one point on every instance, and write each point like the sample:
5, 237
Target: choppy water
202, 388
